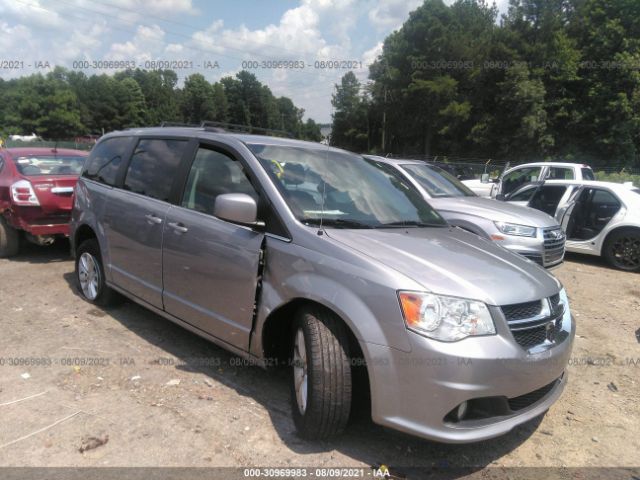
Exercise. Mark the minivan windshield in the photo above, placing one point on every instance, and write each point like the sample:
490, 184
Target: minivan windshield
343, 189
437, 182
34, 165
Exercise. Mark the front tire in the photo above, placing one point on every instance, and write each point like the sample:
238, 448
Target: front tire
90, 275
622, 249
321, 377
9, 239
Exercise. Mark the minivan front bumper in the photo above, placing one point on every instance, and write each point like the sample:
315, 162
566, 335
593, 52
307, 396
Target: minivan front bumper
416, 392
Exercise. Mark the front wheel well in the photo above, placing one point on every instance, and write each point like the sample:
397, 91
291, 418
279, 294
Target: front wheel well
277, 346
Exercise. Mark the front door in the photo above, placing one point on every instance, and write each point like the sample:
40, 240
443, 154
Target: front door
211, 266
135, 218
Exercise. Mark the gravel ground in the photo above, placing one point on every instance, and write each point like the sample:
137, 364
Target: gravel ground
157, 395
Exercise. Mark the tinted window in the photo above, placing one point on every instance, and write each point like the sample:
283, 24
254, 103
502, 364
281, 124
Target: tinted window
516, 178
603, 197
587, 174
437, 182
523, 195
153, 167
560, 173
212, 174
547, 198
104, 160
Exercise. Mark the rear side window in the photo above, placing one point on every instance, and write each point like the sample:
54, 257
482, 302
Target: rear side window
153, 167
587, 174
104, 160
560, 173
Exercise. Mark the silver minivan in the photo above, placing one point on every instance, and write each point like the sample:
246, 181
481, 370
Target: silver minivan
295, 254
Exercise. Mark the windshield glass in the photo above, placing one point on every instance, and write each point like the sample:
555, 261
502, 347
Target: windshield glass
49, 165
357, 193
437, 182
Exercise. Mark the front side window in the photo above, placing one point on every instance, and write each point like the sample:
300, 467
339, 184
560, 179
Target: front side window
153, 167
213, 173
519, 177
523, 195
104, 160
547, 198
343, 190
437, 182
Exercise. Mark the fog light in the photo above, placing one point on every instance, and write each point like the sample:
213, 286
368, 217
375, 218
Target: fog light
462, 410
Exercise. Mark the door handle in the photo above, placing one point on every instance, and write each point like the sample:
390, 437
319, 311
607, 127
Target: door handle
178, 227
153, 218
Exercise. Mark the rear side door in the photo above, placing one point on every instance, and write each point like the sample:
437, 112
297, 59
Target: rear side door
210, 268
135, 217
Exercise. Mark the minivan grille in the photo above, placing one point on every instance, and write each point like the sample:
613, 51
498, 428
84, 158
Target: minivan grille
521, 311
554, 239
533, 323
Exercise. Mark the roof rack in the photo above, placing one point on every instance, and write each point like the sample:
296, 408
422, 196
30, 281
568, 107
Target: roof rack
236, 127
179, 124
222, 127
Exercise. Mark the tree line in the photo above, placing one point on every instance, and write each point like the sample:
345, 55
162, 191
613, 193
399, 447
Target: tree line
63, 103
550, 79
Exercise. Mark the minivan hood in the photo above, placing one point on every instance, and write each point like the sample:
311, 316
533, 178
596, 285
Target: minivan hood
450, 261
494, 210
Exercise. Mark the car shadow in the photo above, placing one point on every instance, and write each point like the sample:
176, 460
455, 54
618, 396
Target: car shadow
363, 440
59, 251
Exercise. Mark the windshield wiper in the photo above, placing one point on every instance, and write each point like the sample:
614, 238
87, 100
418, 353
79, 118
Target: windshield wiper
410, 223
337, 222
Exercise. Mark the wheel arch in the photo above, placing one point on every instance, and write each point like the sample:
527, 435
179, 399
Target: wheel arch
276, 344
614, 230
83, 232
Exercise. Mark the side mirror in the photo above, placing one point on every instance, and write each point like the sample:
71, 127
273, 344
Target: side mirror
237, 208
484, 178
501, 197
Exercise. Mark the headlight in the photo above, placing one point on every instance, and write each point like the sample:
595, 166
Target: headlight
445, 318
515, 229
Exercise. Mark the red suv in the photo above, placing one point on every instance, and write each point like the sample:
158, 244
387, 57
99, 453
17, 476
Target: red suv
36, 190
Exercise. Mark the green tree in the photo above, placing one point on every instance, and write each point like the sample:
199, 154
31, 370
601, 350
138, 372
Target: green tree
198, 99
349, 129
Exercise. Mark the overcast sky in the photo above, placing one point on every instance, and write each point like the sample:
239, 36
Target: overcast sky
202, 32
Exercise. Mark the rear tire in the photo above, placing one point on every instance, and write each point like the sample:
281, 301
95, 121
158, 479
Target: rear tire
9, 239
321, 376
622, 249
90, 276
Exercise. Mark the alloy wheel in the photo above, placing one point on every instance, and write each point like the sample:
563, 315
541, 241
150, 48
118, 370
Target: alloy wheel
300, 376
626, 251
89, 275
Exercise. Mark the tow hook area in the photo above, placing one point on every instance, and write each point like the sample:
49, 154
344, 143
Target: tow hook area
41, 240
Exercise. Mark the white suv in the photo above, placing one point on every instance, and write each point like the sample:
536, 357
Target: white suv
520, 175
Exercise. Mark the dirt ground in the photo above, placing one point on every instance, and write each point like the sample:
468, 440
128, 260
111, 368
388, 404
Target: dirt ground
161, 396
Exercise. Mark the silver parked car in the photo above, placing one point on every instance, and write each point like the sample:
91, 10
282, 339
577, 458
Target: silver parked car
600, 218
523, 230
297, 254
